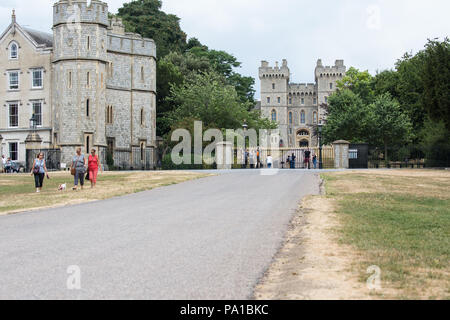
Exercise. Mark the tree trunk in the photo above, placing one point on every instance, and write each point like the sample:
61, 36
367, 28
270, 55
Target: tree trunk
386, 154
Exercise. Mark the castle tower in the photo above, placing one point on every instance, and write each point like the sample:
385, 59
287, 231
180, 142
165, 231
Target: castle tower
79, 76
274, 94
326, 80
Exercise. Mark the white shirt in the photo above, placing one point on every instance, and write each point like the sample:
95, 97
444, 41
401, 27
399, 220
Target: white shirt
269, 160
4, 161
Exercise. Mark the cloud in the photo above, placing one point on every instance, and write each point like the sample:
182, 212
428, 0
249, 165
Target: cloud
368, 34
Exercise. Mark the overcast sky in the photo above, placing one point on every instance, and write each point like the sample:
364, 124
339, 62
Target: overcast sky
367, 34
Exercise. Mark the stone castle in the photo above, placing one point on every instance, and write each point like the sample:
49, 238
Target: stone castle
90, 84
297, 108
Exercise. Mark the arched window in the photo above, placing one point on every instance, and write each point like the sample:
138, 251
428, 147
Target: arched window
274, 116
302, 117
290, 118
142, 151
315, 117
13, 51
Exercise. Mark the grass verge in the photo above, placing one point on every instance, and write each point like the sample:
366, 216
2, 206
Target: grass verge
398, 220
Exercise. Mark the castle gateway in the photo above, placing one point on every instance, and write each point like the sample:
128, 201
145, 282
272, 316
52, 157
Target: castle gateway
90, 84
297, 108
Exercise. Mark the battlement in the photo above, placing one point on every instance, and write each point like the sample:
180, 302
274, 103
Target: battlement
338, 70
80, 11
266, 71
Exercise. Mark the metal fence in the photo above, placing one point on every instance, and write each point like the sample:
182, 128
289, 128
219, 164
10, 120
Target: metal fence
280, 157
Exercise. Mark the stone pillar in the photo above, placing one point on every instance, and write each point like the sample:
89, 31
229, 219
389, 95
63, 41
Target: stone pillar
341, 148
1, 146
32, 145
224, 155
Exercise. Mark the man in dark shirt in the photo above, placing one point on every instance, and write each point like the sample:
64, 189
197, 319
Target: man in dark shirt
307, 159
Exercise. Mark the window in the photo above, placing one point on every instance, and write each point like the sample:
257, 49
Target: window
109, 114
268, 99
13, 115
14, 80
87, 108
70, 80
274, 115
290, 117
14, 151
88, 141
331, 86
37, 79
315, 117
37, 112
13, 51
142, 74
88, 79
142, 116
315, 100
290, 100
279, 100
88, 43
302, 117
326, 99
303, 100
273, 86
142, 151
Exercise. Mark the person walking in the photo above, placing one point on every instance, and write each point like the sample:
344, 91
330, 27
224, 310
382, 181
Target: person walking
93, 165
307, 159
315, 161
293, 157
258, 158
78, 169
39, 170
288, 162
269, 161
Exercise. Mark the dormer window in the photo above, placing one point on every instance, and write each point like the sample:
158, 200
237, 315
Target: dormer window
14, 51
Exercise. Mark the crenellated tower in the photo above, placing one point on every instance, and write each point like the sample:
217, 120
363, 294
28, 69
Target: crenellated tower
80, 33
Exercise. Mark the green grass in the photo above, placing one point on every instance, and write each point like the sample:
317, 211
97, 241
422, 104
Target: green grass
407, 235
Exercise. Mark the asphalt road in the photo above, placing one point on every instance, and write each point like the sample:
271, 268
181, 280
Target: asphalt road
211, 238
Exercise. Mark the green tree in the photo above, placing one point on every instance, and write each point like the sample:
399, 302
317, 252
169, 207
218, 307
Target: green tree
436, 80
388, 125
360, 82
146, 18
347, 118
207, 97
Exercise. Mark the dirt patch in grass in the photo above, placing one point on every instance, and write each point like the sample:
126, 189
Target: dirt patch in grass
17, 193
312, 265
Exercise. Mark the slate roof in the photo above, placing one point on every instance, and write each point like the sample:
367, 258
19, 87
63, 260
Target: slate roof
41, 38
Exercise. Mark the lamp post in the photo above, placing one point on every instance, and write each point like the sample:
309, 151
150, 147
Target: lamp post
320, 126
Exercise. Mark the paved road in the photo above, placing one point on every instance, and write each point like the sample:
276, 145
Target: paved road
210, 238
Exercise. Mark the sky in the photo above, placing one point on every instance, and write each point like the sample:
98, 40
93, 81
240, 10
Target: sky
367, 34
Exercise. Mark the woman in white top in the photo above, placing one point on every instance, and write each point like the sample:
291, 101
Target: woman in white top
269, 161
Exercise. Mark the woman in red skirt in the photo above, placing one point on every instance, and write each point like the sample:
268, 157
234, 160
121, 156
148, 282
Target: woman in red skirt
93, 165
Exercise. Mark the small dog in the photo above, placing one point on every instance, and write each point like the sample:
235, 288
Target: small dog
62, 187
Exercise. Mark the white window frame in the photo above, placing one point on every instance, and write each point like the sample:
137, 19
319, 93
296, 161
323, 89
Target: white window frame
9, 114
10, 51
41, 70
10, 72
40, 102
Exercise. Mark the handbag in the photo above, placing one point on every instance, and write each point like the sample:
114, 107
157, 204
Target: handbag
87, 176
73, 171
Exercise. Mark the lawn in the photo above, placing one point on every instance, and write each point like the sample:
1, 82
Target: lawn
17, 192
398, 220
